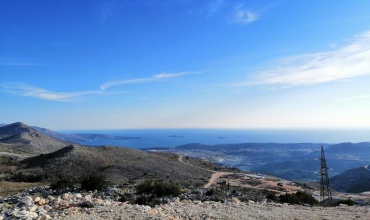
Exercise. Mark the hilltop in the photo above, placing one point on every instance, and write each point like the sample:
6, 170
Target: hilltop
23, 140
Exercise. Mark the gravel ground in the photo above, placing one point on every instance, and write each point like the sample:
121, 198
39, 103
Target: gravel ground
216, 210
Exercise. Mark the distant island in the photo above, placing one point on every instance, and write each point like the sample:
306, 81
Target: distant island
96, 137
176, 136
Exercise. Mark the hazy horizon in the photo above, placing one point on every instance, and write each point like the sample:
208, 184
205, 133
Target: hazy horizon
175, 137
185, 64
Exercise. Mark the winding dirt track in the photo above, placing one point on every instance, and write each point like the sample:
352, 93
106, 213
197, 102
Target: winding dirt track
215, 176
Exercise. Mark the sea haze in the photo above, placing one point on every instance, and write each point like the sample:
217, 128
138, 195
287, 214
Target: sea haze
166, 138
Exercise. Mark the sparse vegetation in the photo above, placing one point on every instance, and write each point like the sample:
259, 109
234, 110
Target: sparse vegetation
158, 188
29, 178
63, 183
150, 192
298, 198
94, 182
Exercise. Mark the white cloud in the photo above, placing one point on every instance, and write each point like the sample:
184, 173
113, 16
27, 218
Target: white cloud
144, 80
245, 16
345, 62
36, 92
40, 93
354, 98
171, 75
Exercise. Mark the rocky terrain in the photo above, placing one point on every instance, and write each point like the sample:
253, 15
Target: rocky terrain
40, 203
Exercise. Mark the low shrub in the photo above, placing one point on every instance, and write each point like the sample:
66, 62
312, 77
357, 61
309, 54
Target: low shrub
298, 198
30, 178
158, 189
149, 200
94, 182
63, 183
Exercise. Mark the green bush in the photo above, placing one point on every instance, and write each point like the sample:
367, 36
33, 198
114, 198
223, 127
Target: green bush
63, 183
298, 198
149, 200
94, 182
158, 189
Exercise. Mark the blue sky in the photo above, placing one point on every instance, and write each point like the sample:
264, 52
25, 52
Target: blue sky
185, 64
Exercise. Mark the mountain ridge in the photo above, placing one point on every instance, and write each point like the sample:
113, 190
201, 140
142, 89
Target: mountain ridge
23, 138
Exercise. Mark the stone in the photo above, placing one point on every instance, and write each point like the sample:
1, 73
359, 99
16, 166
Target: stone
48, 207
42, 202
27, 200
22, 214
89, 204
44, 217
56, 201
67, 196
86, 198
37, 199
32, 208
78, 195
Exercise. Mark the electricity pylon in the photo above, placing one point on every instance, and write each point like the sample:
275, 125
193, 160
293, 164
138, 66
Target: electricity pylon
325, 191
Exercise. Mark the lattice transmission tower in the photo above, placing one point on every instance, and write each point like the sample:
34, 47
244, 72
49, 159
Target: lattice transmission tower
325, 191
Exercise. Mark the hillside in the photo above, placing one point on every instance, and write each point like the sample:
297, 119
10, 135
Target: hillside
355, 180
355, 149
119, 164
24, 140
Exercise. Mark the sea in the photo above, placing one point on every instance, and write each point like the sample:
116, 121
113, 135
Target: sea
169, 138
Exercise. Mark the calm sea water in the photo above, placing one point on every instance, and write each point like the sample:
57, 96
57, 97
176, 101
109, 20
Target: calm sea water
166, 138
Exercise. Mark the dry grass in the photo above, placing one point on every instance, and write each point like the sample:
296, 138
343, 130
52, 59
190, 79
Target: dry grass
11, 188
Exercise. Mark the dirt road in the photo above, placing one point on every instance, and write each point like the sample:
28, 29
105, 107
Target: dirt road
215, 176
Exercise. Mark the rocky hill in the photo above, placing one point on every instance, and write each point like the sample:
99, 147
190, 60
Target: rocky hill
24, 140
355, 180
120, 165
37, 154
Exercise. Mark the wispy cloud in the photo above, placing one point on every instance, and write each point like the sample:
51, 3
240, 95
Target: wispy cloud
154, 78
107, 9
60, 44
354, 98
18, 64
36, 92
245, 16
40, 93
345, 62
215, 7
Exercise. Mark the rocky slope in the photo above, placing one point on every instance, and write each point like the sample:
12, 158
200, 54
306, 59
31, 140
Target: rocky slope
119, 164
22, 139
352, 181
